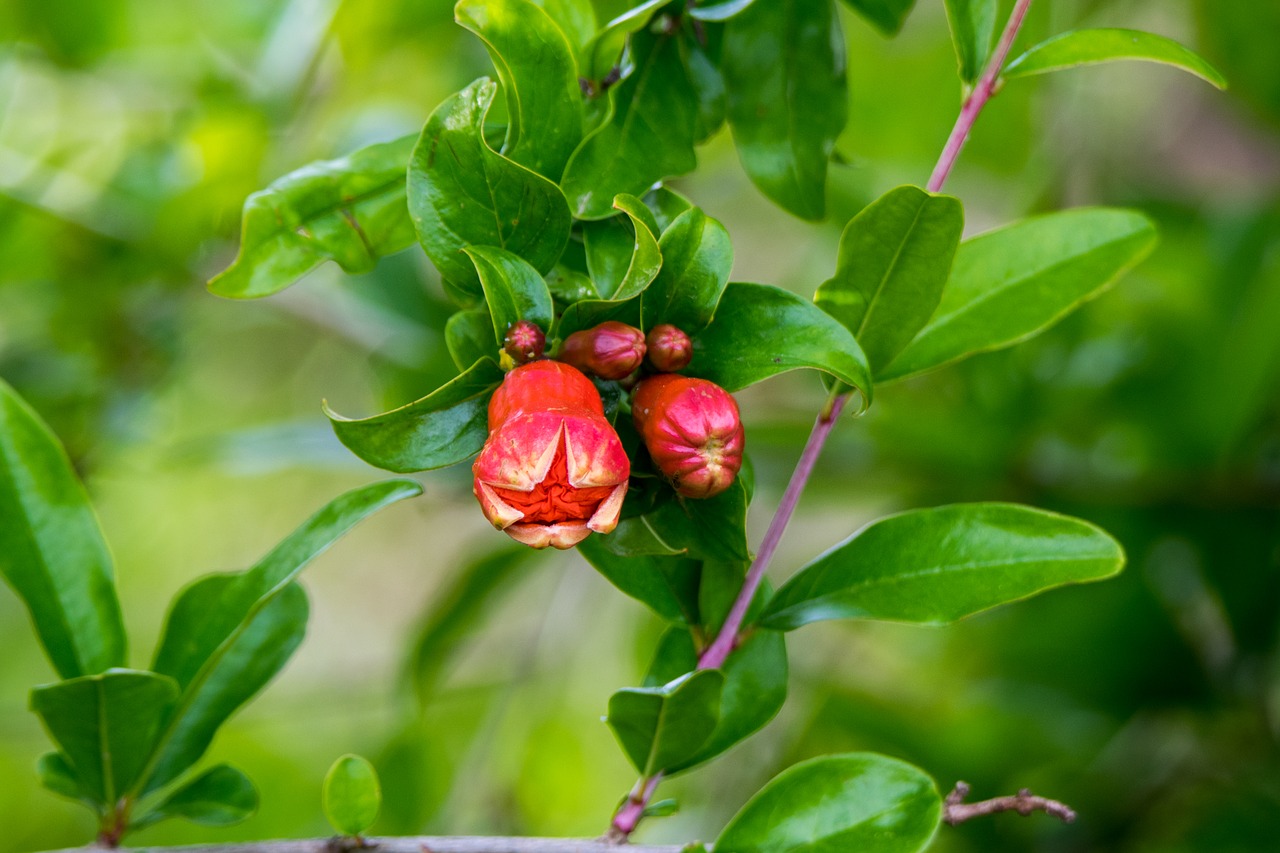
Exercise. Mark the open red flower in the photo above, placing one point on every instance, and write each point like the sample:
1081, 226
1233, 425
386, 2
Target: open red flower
552, 470
692, 430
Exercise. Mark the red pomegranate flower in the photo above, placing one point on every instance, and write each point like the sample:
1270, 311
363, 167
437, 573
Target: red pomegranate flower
552, 470
611, 350
692, 430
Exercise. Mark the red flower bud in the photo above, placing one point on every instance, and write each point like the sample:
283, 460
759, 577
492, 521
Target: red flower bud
552, 469
692, 430
525, 342
611, 350
670, 349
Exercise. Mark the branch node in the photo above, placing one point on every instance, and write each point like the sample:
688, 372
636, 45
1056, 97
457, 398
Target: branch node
956, 811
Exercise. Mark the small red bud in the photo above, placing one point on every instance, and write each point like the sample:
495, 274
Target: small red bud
611, 350
692, 430
525, 342
670, 349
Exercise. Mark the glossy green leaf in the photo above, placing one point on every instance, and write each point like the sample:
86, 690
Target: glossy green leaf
443, 428
887, 16
1090, 47
784, 73
649, 134
708, 86
575, 18
667, 584
463, 193
351, 211
697, 257
708, 529
51, 549
718, 10
623, 255
659, 727
666, 205
568, 285
604, 52
57, 775
894, 259
934, 566
352, 796
106, 725
760, 331
973, 26
513, 290
1008, 284
468, 334
855, 801
220, 796
755, 686
539, 77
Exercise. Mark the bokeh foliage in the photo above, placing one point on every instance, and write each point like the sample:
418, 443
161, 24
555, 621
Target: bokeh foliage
132, 130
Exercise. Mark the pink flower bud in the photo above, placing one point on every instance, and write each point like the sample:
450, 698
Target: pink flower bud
692, 430
552, 470
525, 342
611, 350
670, 349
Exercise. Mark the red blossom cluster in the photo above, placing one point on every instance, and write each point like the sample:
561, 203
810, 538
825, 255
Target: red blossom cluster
553, 469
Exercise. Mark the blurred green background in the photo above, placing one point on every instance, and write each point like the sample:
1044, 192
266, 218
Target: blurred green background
131, 132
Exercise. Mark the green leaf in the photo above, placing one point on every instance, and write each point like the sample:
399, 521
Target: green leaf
469, 336
893, 263
659, 727
463, 193
443, 428
51, 549
220, 796
351, 211
708, 86
539, 77
662, 808
712, 528
648, 136
227, 635
1090, 47
352, 796
666, 205
718, 10
784, 74
106, 725
623, 256
887, 16
1008, 284
57, 775
760, 331
934, 566
973, 26
604, 52
575, 18
855, 801
513, 290
697, 257
755, 686
667, 584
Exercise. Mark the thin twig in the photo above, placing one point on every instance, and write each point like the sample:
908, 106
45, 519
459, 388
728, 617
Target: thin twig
433, 844
956, 811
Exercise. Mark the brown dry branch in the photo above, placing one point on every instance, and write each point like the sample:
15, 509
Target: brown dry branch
956, 811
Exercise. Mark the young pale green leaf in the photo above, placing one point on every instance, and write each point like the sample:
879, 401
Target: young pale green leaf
697, 257
443, 428
539, 77
463, 193
660, 727
934, 566
575, 18
468, 334
623, 256
1090, 47
855, 801
760, 331
973, 26
220, 796
1011, 283
887, 16
755, 686
603, 53
56, 774
894, 259
352, 796
648, 136
513, 290
718, 10
351, 211
784, 72
106, 725
667, 584
51, 549
227, 635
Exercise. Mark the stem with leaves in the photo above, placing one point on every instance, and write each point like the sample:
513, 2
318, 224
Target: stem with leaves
632, 810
